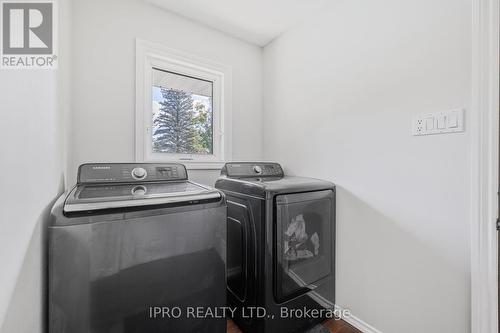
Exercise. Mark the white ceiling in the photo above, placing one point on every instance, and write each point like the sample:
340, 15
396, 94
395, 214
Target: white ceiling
255, 21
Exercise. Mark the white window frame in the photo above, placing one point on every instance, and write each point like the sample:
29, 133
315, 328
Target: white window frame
150, 56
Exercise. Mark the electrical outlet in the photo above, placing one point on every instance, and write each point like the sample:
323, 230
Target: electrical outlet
438, 122
419, 126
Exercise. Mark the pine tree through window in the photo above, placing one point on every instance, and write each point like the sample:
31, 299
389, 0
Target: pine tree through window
182, 114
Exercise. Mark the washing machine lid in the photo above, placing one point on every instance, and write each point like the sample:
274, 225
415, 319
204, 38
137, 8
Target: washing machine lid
112, 196
103, 186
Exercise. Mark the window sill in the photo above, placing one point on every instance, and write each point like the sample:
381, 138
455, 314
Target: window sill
190, 165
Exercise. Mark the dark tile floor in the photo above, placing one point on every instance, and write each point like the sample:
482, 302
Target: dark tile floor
335, 326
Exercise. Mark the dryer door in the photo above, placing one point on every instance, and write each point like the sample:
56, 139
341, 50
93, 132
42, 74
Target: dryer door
304, 242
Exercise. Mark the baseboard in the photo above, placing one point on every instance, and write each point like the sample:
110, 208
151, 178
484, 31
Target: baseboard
360, 325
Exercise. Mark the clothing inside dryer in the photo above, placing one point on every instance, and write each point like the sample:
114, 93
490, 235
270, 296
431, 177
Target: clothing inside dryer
304, 241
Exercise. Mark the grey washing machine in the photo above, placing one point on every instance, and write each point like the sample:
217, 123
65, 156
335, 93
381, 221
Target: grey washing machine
130, 239
280, 246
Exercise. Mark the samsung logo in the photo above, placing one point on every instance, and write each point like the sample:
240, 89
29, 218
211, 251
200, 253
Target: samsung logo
101, 167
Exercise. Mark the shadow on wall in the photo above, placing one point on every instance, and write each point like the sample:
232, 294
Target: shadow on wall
393, 280
27, 311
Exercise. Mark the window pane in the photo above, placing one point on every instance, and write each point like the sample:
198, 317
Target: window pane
182, 114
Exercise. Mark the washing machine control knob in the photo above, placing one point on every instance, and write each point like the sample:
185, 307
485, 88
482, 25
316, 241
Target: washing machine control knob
139, 173
257, 169
139, 190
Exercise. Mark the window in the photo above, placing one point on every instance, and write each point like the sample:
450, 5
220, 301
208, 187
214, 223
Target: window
182, 114
180, 109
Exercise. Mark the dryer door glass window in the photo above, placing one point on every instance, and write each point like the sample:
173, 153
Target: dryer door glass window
304, 241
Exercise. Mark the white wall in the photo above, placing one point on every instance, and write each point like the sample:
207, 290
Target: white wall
33, 111
340, 91
104, 35
30, 178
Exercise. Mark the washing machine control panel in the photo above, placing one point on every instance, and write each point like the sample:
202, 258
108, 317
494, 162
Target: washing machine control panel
251, 169
130, 172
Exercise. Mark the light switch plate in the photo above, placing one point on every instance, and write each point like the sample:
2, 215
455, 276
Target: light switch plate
438, 122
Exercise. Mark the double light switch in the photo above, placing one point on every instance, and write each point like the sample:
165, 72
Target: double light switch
438, 122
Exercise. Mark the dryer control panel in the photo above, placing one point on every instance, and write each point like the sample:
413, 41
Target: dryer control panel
252, 169
130, 172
